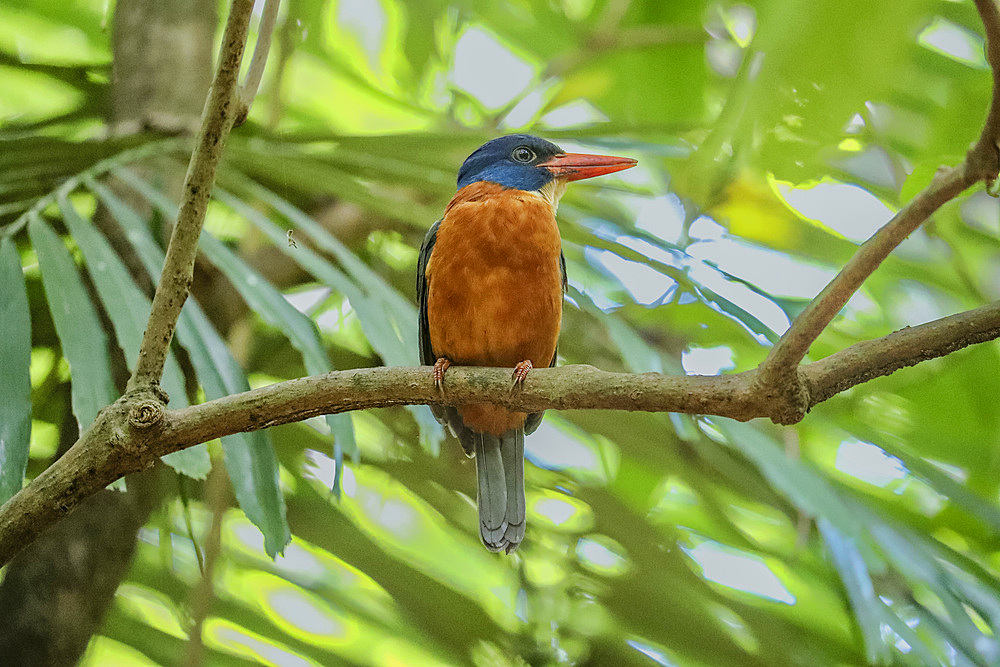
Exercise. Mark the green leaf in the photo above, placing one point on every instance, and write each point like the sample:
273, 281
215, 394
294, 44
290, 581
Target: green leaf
911, 557
128, 309
336, 181
84, 343
802, 485
853, 571
737, 312
249, 457
274, 309
419, 40
957, 494
381, 331
401, 310
799, 102
15, 381
398, 348
851, 533
35, 171
637, 354
267, 302
919, 178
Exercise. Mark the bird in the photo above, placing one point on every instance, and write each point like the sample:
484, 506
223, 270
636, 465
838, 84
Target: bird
491, 277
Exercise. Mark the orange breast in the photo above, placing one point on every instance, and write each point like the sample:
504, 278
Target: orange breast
495, 287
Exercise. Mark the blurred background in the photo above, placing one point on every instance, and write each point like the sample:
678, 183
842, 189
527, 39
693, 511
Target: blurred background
772, 136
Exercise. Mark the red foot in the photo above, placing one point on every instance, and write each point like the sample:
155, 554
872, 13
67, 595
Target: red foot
440, 366
521, 372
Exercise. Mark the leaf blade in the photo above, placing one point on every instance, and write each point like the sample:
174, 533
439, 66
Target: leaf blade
15, 379
128, 309
249, 457
266, 301
80, 333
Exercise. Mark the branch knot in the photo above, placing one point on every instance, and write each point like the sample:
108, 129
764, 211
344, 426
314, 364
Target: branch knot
147, 412
784, 394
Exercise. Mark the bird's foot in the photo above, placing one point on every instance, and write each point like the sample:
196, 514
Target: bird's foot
520, 373
440, 366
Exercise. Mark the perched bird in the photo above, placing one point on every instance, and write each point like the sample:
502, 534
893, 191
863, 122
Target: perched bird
490, 282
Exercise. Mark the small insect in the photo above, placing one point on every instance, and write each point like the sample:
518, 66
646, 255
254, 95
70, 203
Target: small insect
291, 240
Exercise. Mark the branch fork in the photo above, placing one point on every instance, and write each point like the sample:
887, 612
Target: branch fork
779, 374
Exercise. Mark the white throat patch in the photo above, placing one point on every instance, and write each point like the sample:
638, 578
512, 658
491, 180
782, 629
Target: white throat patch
553, 191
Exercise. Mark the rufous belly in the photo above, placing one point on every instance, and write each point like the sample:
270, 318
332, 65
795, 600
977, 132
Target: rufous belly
495, 288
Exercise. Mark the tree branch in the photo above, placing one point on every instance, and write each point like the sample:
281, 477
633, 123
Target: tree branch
178, 268
256, 71
134, 432
870, 359
793, 346
138, 429
985, 153
779, 370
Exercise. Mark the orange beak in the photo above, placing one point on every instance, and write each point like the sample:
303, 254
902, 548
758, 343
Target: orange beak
577, 166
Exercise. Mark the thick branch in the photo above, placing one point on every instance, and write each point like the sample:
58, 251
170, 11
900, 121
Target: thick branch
136, 430
178, 268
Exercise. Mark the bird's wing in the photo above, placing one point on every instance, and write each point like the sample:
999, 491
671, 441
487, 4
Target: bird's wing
562, 270
447, 416
535, 418
427, 357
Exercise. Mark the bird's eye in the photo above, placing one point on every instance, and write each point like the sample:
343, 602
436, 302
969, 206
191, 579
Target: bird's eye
523, 154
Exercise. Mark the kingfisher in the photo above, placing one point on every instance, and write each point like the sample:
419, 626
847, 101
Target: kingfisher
490, 282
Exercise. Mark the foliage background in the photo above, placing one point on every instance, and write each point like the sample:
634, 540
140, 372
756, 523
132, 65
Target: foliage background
773, 137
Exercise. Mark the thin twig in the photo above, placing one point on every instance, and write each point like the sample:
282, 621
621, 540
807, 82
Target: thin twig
178, 268
256, 71
794, 345
985, 153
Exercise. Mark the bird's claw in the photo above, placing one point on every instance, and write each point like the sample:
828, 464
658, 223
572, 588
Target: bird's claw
520, 373
440, 366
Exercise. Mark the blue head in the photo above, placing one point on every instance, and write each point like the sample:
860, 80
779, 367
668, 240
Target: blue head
512, 161
524, 162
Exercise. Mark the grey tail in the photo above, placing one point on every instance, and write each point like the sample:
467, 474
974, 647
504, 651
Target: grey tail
500, 473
